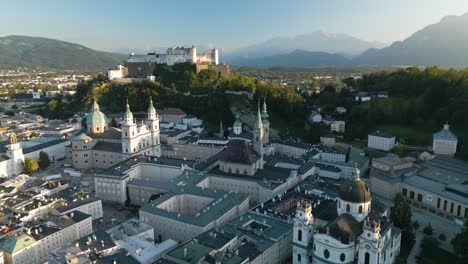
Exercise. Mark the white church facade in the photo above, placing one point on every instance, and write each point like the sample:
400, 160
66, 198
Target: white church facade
102, 146
357, 235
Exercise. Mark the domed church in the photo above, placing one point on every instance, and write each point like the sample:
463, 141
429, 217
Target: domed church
102, 146
359, 234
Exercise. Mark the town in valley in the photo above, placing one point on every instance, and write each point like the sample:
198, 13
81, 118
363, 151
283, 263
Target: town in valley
319, 148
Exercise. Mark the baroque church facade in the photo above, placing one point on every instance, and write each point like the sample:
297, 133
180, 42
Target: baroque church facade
359, 234
102, 146
11, 163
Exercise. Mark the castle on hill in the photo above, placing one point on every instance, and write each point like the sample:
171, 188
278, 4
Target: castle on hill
143, 66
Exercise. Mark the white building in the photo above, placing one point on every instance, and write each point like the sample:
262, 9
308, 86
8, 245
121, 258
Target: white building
355, 233
104, 146
338, 126
381, 141
177, 55
116, 73
11, 163
445, 142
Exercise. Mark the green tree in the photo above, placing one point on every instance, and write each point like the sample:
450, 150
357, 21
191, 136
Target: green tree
460, 242
113, 123
30, 165
428, 230
400, 214
416, 225
44, 160
15, 107
401, 151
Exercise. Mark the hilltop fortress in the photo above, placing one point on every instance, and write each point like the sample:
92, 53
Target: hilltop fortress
142, 66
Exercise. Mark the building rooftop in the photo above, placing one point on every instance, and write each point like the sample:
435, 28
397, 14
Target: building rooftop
381, 134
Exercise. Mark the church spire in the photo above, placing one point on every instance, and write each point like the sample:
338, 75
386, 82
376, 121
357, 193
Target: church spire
128, 116
258, 122
357, 172
264, 111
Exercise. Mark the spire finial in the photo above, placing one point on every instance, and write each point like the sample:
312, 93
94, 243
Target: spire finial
356, 172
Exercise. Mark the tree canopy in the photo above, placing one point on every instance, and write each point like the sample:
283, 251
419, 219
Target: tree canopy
30, 165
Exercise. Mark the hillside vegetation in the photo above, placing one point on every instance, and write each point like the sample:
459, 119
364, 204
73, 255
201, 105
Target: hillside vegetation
44, 53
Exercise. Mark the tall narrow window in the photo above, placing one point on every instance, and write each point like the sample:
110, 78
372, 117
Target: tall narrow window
360, 209
299, 235
348, 208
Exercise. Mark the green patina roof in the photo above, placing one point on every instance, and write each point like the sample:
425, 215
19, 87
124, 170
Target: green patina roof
96, 116
16, 243
81, 137
127, 114
237, 123
151, 108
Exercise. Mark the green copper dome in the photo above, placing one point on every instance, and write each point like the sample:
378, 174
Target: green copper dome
81, 137
237, 123
151, 109
127, 114
95, 116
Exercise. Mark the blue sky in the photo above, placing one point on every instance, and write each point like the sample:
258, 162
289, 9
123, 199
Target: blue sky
114, 24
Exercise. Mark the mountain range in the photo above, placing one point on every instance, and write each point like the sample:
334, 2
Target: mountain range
37, 52
317, 41
444, 43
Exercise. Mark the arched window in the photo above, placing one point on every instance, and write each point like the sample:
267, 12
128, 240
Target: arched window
237, 171
348, 208
360, 209
299, 235
326, 254
342, 257
367, 258
299, 257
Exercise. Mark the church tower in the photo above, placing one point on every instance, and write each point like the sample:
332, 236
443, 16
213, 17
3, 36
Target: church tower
15, 153
258, 136
152, 123
237, 127
303, 232
266, 124
129, 132
369, 243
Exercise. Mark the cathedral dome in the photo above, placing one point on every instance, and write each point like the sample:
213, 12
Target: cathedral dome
96, 117
355, 190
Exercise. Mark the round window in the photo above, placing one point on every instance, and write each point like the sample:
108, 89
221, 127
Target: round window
326, 253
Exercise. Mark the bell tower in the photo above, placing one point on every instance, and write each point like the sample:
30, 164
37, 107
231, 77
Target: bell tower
129, 132
152, 122
15, 152
303, 232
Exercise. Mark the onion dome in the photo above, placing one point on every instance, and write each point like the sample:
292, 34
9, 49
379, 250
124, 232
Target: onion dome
237, 123
151, 109
127, 114
355, 190
96, 117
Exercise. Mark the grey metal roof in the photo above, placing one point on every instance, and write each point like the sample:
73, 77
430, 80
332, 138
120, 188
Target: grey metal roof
43, 145
381, 134
445, 134
108, 146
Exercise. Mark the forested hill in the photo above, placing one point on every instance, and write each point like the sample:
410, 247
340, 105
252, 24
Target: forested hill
207, 99
45, 53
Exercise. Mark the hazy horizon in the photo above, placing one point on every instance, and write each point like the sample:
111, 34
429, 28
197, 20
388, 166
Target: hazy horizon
143, 24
